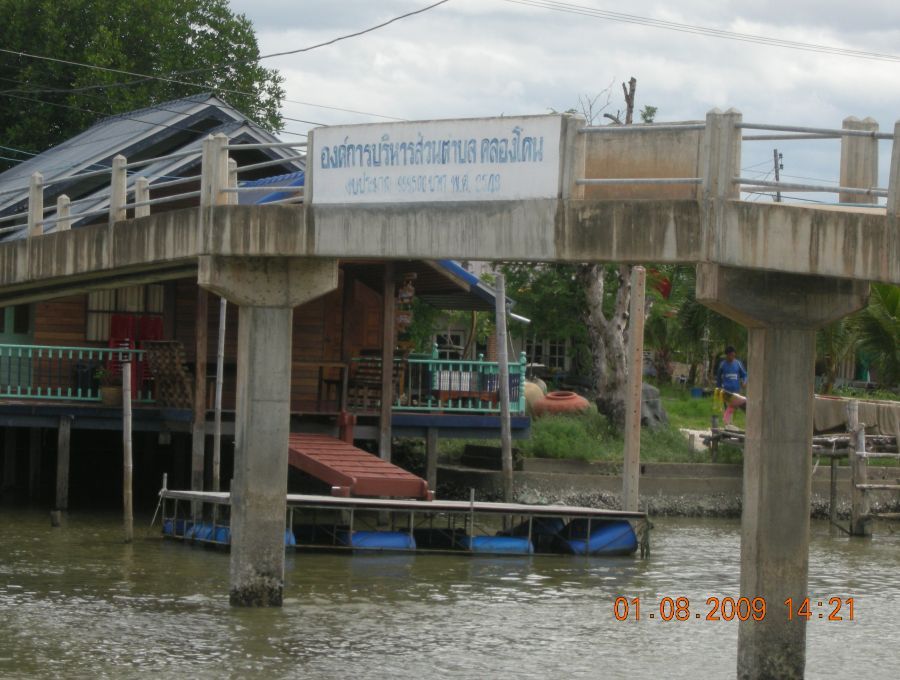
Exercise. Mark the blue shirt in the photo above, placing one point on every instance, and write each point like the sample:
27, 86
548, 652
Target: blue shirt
730, 375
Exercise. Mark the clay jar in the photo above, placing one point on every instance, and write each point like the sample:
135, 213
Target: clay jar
556, 403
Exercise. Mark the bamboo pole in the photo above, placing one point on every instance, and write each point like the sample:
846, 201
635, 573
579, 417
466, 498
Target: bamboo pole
859, 501
220, 365
632, 463
503, 364
127, 467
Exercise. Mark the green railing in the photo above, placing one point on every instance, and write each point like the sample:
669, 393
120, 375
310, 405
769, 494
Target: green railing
69, 373
423, 383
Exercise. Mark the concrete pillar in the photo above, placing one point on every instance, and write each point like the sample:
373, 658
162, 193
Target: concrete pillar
720, 158
266, 291
782, 312
859, 160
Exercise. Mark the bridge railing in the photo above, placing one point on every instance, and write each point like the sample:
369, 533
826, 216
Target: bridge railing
858, 158
50, 373
693, 156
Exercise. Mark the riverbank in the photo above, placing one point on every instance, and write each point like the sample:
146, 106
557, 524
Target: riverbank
666, 489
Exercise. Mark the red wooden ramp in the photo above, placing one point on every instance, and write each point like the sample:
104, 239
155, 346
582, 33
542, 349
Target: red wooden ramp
351, 471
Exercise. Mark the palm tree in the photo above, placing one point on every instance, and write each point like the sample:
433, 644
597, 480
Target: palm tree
835, 344
879, 331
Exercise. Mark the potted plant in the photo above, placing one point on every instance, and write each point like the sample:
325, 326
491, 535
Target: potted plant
110, 386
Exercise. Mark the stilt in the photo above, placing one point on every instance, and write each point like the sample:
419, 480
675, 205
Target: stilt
859, 499
506, 460
63, 439
198, 431
431, 456
34, 461
389, 339
631, 469
9, 459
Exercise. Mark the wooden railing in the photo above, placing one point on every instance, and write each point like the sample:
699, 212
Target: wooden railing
423, 383
69, 373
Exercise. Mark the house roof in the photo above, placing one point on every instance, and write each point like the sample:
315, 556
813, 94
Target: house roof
172, 127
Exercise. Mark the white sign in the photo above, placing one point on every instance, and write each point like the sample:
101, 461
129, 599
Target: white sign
479, 159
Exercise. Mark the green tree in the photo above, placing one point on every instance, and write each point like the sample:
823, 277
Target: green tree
201, 43
879, 332
835, 344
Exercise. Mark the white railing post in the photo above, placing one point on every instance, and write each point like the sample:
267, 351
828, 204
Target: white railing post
118, 184
859, 160
721, 154
36, 205
141, 194
893, 199
63, 213
721, 164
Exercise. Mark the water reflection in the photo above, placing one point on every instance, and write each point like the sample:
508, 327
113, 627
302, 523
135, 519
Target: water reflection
77, 602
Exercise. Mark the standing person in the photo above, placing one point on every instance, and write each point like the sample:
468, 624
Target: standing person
731, 377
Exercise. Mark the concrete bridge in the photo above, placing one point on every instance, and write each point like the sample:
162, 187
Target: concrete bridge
664, 193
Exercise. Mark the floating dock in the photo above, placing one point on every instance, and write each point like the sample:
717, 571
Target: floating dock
379, 524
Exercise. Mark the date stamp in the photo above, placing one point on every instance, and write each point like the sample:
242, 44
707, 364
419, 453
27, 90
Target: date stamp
733, 609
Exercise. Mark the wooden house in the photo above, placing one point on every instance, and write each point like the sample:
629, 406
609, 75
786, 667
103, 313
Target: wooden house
57, 354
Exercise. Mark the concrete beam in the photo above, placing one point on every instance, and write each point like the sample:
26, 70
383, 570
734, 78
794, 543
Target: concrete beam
268, 281
776, 299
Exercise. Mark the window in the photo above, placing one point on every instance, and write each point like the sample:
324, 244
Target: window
102, 304
15, 320
450, 345
534, 351
556, 354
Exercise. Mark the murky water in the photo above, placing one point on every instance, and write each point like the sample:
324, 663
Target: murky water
76, 602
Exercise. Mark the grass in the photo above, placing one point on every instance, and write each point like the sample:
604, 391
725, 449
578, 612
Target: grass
589, 436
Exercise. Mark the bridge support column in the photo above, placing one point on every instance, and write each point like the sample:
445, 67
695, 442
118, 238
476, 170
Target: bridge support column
782, 312
266, 291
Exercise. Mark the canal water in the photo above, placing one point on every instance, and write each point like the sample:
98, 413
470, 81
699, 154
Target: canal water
76, 602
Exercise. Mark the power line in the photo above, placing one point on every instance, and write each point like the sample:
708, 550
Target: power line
703, 30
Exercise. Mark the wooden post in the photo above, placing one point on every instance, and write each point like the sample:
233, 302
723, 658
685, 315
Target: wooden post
63, 440
220, 366
9, 459
832, 494
34, 461
126, 450
431, 456
503, 364
632, 467
859, 501
198, 431
387, 364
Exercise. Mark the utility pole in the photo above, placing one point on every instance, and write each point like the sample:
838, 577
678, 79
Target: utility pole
777, 157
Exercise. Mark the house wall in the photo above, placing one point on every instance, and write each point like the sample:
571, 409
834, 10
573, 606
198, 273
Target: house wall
322, 332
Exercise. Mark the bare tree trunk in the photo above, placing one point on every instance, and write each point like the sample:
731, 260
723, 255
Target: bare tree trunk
608, 339
608, 335
629, 99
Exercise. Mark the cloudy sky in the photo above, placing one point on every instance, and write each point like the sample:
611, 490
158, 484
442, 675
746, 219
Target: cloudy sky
492, 57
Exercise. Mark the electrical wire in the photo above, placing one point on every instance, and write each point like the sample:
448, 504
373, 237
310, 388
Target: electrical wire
141, 77
703, 30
